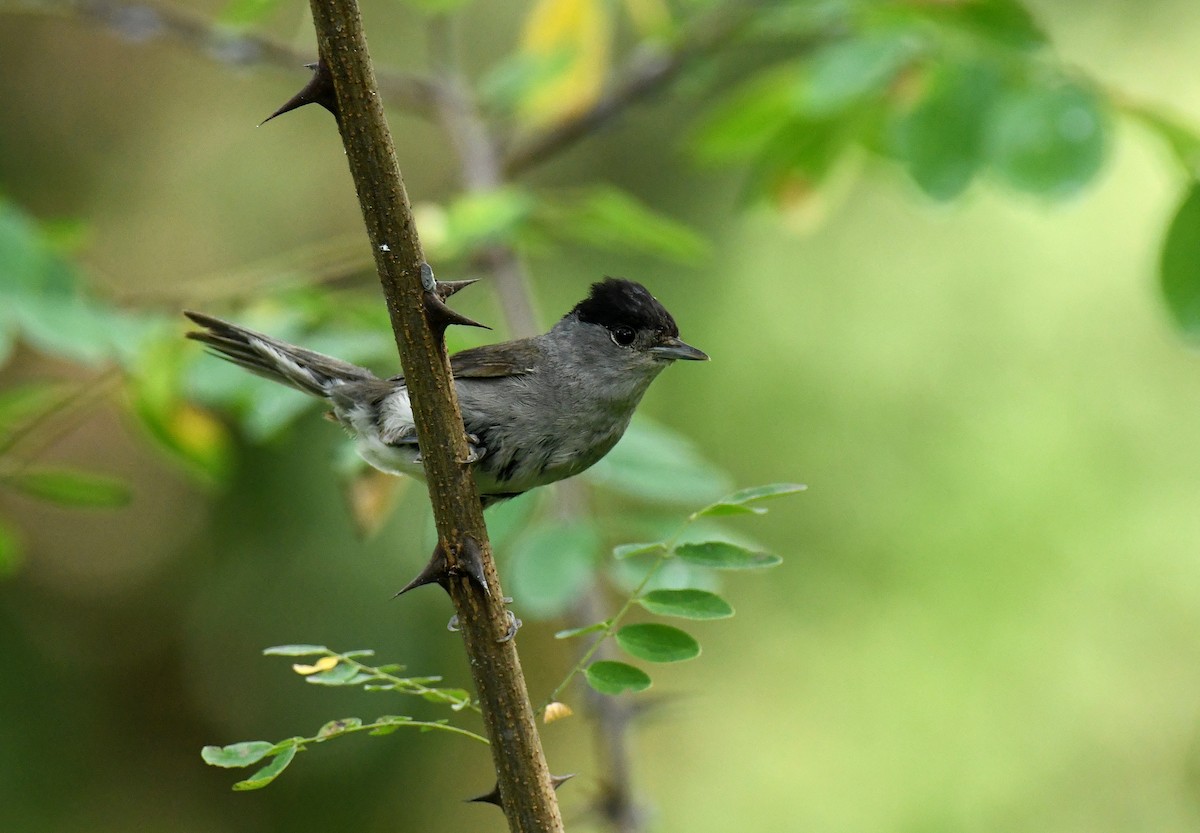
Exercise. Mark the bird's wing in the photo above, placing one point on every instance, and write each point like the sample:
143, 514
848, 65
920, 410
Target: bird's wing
493, 361
513, 358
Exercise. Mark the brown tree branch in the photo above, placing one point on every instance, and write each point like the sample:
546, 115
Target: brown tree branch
524, 786
139, 22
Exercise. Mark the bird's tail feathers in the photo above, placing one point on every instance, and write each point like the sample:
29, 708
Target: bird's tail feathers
305, 370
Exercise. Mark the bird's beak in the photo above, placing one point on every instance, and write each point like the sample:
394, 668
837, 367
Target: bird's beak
672, 348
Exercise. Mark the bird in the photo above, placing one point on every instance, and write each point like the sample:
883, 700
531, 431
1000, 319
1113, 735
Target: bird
536, 410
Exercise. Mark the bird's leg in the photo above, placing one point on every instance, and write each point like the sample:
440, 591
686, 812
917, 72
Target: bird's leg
475, 451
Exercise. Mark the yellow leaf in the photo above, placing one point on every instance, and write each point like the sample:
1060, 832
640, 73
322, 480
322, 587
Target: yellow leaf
556, 711
371, 496
323, 664
574, 36
197, 430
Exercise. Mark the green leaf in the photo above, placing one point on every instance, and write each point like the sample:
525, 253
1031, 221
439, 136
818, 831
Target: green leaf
1004, 22
611, 219
847, 71
237, 754
295, 650
42, 297
486, 217
1048, 139
1180, 264
552, 565
391, 722
19, 404
189, 433
722, 555
69, 487
611, 677
652, 462
270, 772
338, 727
741, 126
738, 502
341, 674
570, 633
686, 604
630, 550
11, 551
941, 139
657, 643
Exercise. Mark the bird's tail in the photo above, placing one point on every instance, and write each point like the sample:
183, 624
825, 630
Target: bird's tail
304, 370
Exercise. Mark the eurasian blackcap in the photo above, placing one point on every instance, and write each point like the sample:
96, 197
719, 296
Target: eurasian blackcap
536, 410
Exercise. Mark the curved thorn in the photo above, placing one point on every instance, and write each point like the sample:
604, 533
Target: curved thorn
437, 571
447, 288
318, 90
441, 316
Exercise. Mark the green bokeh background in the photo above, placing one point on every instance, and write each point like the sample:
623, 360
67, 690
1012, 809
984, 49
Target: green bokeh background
989, 614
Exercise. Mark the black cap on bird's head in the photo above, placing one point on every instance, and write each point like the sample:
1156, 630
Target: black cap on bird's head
624, 308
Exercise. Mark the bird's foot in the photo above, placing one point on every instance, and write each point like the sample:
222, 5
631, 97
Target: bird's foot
514, 625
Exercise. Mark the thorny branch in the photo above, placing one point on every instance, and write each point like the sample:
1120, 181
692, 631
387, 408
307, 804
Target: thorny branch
525, 790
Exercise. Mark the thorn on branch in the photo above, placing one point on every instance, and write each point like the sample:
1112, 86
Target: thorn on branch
468, 562
493, 796
318, 90
437, 313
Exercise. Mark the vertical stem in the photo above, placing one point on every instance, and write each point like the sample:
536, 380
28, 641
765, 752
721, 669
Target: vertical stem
523, 780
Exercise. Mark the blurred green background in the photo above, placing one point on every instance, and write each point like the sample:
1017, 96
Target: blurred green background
988, 618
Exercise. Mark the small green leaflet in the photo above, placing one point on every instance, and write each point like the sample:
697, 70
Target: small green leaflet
295, 650
337, 727
610, 677
657, 643
847, 71
722, 555
270, 772
237, 754
573, 632
686, 604
630, 550
738, 502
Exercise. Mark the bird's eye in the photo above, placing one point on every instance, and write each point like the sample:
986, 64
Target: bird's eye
622, 336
